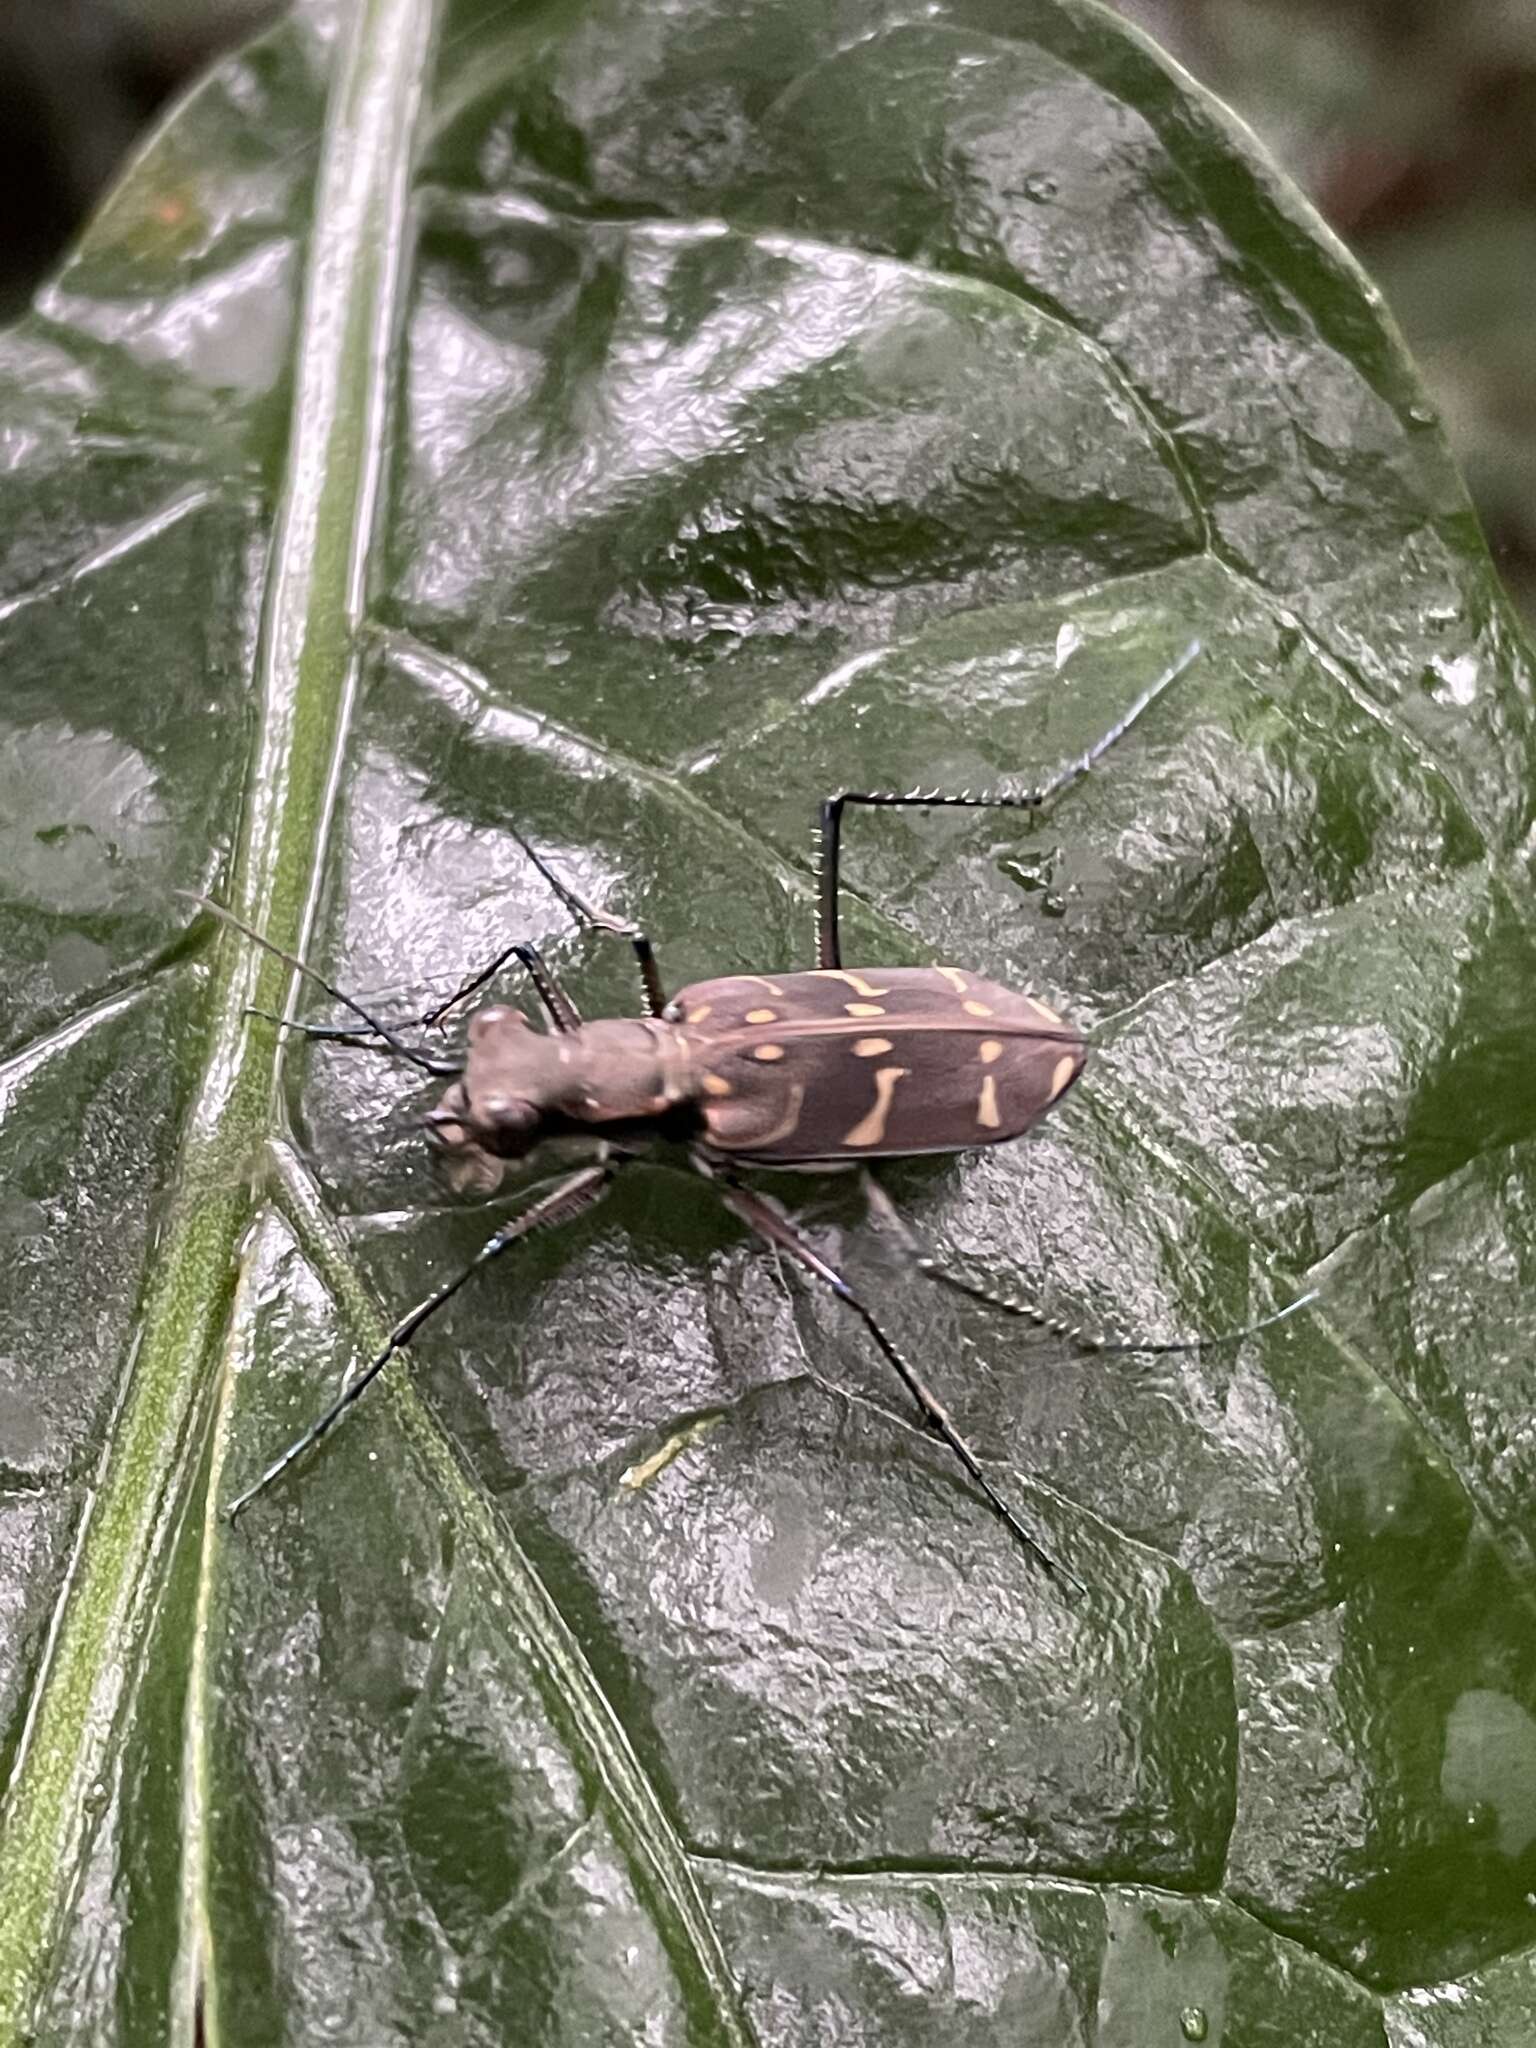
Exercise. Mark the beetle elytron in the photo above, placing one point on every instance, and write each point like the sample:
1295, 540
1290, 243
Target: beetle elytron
820, 1069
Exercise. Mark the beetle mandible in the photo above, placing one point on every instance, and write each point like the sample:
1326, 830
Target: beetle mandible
815, 1069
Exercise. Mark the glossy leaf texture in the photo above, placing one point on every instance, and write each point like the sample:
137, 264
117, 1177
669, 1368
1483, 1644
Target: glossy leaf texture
628, 424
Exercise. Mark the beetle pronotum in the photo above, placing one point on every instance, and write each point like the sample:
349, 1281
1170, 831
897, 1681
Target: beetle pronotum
813, 1069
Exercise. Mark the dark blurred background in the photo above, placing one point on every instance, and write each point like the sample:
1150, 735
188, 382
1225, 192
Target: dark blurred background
1411, 124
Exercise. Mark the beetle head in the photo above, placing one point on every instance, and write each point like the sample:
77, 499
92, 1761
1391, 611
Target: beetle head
495, 1111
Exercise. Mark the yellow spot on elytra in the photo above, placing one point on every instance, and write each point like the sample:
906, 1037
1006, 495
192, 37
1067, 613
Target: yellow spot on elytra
870, 1048
767, 1052
870, 1130
716, 1084
761, 1016
990, 1049
697, 1016
1043, 1009
986, 1108
954, 977
854, 981
1066, 1067
975, 1009
865, 1009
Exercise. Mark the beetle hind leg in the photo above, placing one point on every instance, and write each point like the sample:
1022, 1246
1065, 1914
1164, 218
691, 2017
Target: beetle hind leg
830, 821
1086, 1342
773, 1225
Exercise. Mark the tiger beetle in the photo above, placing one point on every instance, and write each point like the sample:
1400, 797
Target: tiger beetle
814, 1070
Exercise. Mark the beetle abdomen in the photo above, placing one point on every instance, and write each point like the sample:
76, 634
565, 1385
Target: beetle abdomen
841, 1064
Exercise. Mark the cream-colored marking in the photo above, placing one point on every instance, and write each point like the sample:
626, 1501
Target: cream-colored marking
854, 981
716, 1084
870, 1130
865, 1009
1044, 1010
870, 1048
974, 1009
754, 1141
955, 978
761, 1016
990, 1049
762, 982
767, 1052
1066, 1066
697, 1016
986, 1108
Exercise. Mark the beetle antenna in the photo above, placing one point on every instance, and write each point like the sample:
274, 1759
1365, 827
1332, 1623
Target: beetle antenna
398, 1046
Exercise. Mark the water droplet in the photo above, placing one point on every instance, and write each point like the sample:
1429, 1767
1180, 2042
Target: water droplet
1193, 2024
1452, 677
1422, 415
1041, 187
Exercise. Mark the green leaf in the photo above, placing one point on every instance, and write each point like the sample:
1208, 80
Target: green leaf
629, 425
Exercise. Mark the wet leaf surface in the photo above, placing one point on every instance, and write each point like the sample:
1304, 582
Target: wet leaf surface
629, 427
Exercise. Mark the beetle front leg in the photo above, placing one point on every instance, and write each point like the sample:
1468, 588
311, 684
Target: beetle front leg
590, 918
830, 825
556, 1004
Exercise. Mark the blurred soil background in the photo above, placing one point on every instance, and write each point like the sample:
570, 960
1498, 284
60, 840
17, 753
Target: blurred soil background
1410, 123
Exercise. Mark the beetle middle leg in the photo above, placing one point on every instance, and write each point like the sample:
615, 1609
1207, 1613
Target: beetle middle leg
770, 1222
828, 882
885, 1213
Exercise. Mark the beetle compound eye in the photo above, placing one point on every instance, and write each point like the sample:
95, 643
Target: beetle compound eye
448, 1135
496, 1017
504, 1124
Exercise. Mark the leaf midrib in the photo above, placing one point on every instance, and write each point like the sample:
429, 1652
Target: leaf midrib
306, 675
